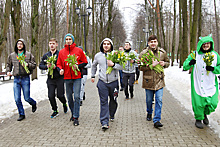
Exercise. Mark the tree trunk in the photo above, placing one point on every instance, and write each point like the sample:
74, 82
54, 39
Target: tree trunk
200, 20
180, 33
174, 34
3, 37
16, 18
194, 34
34, 35
185, 33
217, 29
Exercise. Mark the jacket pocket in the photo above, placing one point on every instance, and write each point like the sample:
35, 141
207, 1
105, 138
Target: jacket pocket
148, 80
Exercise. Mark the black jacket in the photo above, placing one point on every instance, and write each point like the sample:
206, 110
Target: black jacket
43, 65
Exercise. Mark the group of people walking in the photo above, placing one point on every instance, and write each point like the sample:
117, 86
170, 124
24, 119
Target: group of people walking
204, 94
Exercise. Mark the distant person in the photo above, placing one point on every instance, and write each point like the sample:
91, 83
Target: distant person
137, 72
70, 78
204, 86
107, 84
153, 82
129, 72
121, 48
84, 79
56, 82
21, 76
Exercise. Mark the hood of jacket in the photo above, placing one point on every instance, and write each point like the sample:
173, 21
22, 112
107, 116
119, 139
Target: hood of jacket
16, 48
101, 45
205, 40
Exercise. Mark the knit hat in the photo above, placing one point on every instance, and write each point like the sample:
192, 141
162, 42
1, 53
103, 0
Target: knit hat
70, 35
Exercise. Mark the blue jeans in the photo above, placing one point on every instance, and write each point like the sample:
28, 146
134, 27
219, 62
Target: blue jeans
22, 82
73, 105
158, 103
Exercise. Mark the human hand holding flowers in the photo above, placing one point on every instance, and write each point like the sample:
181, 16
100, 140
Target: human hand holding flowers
150, 60
51, 64
208, 58
115, 57
71, 60
21, 59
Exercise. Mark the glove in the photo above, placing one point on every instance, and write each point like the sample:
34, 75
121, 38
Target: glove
192, 62
209, 68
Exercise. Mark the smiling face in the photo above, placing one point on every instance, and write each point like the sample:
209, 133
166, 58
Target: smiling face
127, 46
20, 45
106, 46
69, 40
53, 45
153, 44
206, 46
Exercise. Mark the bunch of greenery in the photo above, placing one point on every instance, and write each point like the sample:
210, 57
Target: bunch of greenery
71, 60
147, 60
21, 59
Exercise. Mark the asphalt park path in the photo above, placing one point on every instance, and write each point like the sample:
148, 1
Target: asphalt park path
130, 127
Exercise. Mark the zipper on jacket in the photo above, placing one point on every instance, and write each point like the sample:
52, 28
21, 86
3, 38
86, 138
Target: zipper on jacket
69, 66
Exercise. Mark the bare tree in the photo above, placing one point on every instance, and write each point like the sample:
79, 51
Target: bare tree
34, 35
174, 33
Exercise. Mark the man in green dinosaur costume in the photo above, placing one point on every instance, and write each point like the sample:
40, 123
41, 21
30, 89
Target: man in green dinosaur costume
204, 83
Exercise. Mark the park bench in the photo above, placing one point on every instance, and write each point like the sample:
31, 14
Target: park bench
3, 75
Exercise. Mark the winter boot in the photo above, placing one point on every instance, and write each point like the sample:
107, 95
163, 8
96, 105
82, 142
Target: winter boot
199, 124
21, 117
149, 117
205, 120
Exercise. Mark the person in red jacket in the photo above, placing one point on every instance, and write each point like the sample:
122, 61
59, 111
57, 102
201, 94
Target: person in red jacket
70, 78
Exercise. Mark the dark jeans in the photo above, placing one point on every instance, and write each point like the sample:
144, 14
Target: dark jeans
137, 73
52, 85
128, 79
121, 78
107, 108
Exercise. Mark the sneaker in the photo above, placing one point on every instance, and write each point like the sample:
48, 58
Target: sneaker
21, 117
136, 82
81, 103
76, 122
65, 109
54, 114
121, 89
157, 124
149, 117
206, 120
105, 127
198, 124
132, 96
34, 108
112, 119
126, 98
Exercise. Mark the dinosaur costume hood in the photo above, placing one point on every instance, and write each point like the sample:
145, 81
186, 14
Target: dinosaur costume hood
205, 40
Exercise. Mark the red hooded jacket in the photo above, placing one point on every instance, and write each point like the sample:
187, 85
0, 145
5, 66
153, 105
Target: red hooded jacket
62, 64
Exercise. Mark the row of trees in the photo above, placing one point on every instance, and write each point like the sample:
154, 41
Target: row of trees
179, 25
39, 20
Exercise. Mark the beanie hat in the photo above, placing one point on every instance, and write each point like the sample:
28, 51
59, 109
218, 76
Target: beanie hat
70, 35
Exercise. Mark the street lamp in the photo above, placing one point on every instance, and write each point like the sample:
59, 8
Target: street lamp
89, 11
146, 31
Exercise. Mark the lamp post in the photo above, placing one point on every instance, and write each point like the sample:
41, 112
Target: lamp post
89, 11
139, 44
146, 31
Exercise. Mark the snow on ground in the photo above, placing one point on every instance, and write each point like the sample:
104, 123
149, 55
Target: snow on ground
177, 82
